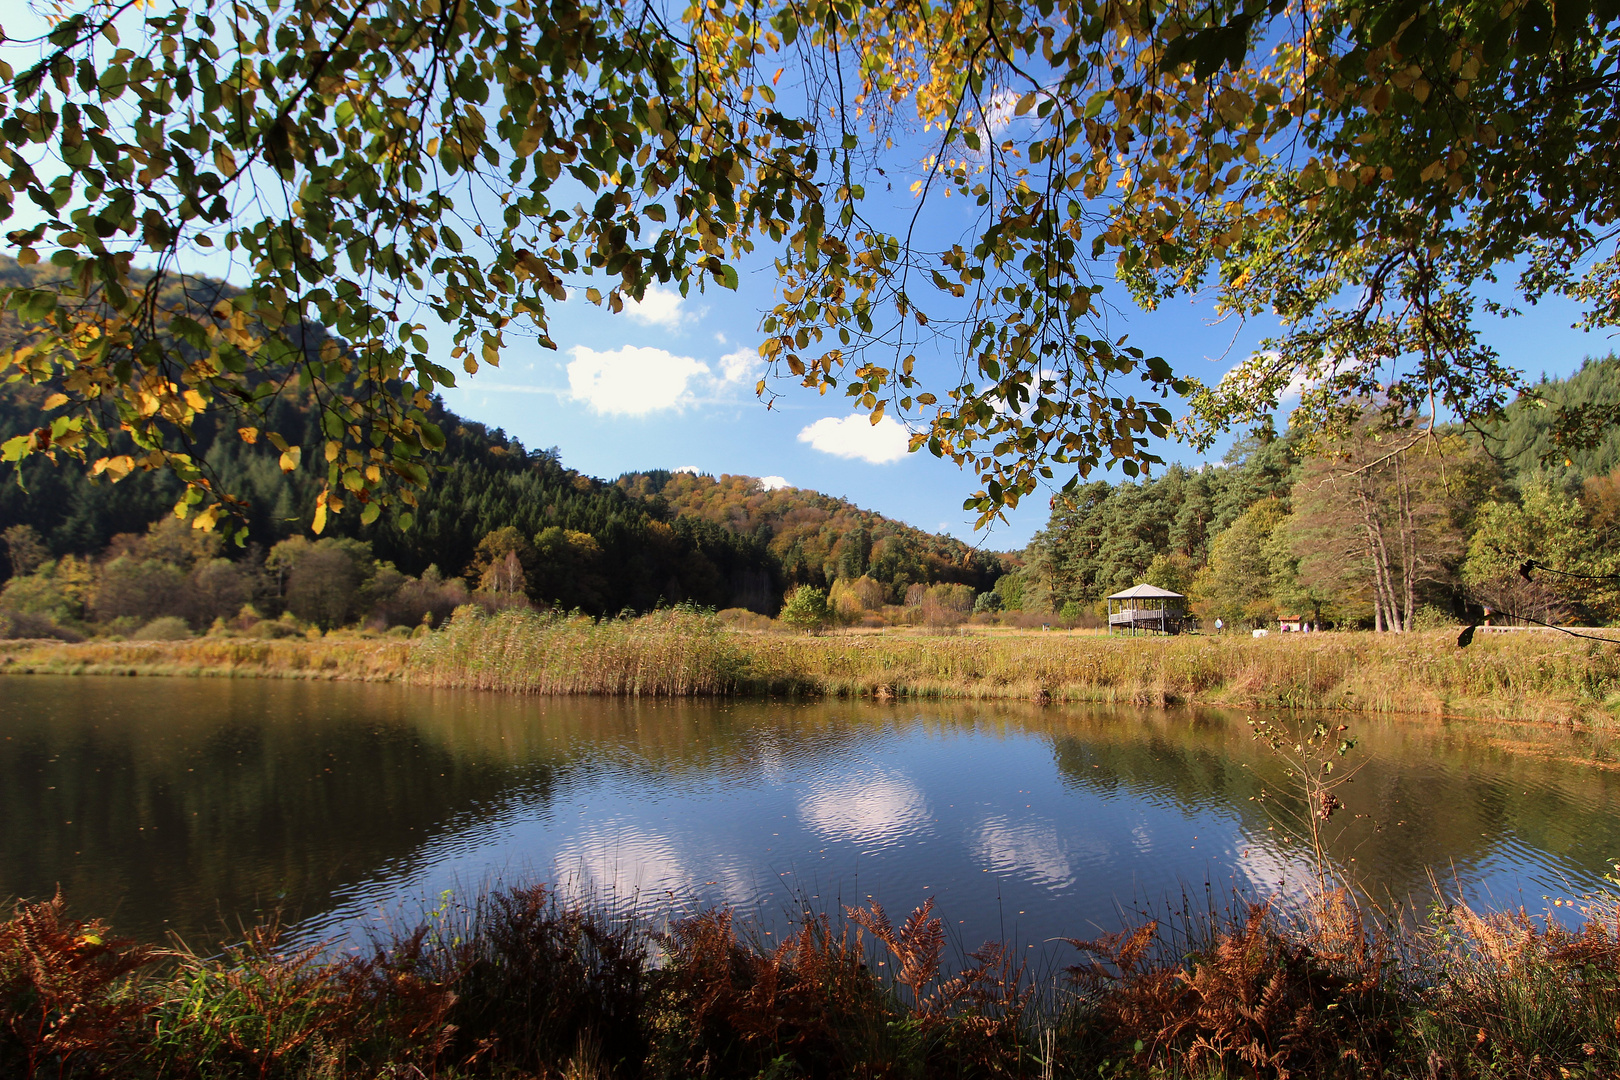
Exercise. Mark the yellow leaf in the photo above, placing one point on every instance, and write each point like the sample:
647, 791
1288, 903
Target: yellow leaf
115, 467
206, 520
249, 435
290, 459
55, 401
319, 524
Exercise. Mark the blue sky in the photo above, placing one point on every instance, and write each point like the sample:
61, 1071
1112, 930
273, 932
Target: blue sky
671, 385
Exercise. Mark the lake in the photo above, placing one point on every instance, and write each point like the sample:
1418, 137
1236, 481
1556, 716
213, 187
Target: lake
194, 806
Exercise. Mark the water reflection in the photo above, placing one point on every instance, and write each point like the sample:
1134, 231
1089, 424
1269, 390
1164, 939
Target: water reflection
872, 807
191, 805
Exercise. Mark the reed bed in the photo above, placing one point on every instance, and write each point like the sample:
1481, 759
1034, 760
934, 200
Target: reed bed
516, 984
334, 656
680, 652
1538, 676
675, 652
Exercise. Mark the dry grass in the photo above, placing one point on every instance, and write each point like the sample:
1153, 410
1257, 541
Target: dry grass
1519, 676
1540, 677
335, 656
676, 652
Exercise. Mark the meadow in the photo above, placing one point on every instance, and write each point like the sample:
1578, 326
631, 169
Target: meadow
1539, 676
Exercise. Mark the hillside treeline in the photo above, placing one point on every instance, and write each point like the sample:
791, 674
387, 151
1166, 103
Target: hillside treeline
499, 523
1392, 526
817, 539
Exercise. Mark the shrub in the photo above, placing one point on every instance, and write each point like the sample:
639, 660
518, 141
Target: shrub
28, 624
164, 628
742, 619
275, 629
63, 991
429, 599
806, 609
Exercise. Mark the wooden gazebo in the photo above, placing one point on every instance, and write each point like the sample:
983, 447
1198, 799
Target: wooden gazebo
1147, 607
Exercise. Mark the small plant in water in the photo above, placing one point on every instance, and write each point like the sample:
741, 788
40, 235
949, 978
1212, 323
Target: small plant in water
1312, 753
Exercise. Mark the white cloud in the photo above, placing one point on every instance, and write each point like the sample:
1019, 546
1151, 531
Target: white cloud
740, 366
857, 437
657, 307
773, 483
693, 469
631, 381
998, 111
1002, 109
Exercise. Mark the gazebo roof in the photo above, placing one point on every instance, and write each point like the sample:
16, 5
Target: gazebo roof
1147, 592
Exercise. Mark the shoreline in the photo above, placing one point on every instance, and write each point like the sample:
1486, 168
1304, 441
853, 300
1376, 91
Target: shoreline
518, 982
1533, 678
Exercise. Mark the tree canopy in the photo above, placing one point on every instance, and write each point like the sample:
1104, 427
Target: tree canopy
1366, 527
1358, 168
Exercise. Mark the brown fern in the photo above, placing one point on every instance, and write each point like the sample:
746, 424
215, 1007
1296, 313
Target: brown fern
1273, 1002
916, 946
65, 989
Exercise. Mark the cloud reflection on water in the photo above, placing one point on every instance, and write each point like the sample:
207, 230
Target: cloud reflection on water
870, 807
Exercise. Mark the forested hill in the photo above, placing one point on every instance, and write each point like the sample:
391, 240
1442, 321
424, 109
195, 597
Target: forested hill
651, 539
583, 542
817, 539
1522, 442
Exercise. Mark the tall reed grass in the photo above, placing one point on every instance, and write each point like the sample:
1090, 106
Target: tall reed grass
687, 653
1504, 676
675, 652
516, 984
1498, 675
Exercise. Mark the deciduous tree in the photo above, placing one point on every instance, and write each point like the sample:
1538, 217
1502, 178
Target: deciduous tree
1539, 558
1356, 167
1380, 516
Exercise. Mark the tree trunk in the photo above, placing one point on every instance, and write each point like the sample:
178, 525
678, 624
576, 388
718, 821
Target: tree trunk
1409, 540
1385, 616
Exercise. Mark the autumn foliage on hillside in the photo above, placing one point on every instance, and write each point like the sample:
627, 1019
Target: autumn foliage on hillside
818, 538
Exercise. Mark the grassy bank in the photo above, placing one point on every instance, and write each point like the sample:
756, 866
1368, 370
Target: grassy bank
1518, 676
670, 653
517, 985
1509, 676
332, 657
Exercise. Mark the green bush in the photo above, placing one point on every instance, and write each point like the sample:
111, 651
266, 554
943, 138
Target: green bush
806, 609
166, 628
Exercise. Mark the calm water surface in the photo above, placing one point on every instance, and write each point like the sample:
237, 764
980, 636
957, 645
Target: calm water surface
197, 805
